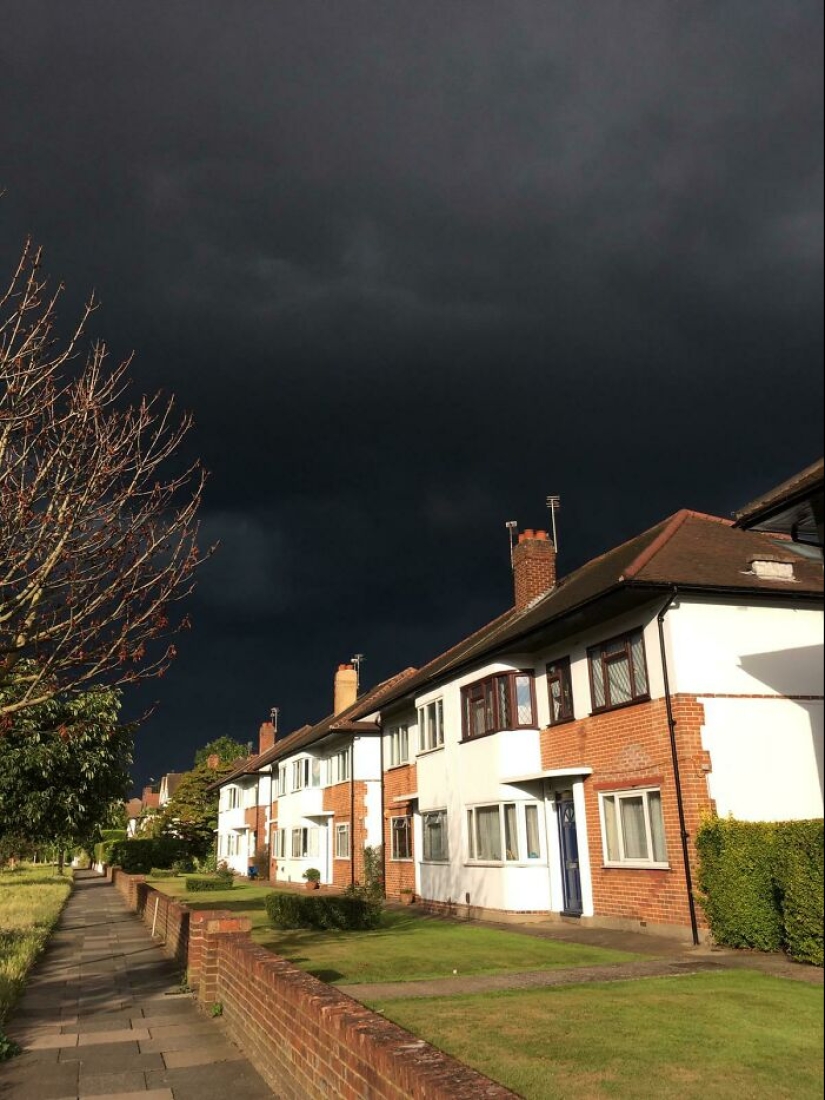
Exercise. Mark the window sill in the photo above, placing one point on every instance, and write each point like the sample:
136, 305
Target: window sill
561, 722
342, 859
427, 752
505, 863
637, 865
492, 733
395, 767
401, 859
619, 706
435, 863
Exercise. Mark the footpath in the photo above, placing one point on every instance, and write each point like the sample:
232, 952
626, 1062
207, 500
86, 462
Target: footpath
103, 1017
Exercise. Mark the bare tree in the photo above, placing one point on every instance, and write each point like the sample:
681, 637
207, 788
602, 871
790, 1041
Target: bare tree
98, 534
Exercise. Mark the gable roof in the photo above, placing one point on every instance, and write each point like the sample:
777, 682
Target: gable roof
689, 550
351, 720
789, 505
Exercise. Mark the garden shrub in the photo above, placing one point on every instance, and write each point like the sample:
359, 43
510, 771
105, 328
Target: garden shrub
799, 876
138, 857
163, 872
345, 914
761, 884
202, 885
108, 839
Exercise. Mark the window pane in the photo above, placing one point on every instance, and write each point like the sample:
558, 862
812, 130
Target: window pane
488, 832
435, 836
471, 836
633, 827
611, 832
401, 838
510, 832
531, 818
524, 701
503, 687
598, 680
489, 708
657, 826
637, 653
618, 679
439, 713
478, 726
316, 773
403, 745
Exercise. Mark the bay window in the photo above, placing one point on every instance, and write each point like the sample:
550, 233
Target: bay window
501, 702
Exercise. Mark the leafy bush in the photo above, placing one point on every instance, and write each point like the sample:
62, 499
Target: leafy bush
260, 861
202, 885
761, 885
108, 839
799, 871
346, 914
163, 872
184, 866
138, 857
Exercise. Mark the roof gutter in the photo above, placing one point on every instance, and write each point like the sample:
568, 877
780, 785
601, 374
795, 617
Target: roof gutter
671, 722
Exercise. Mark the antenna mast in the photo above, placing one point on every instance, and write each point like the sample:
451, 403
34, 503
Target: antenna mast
273, 717
511, 526
356, 660
554, 504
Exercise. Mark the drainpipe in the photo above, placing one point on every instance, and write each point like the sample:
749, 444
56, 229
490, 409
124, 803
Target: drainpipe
352, 812
671, 721
383, 830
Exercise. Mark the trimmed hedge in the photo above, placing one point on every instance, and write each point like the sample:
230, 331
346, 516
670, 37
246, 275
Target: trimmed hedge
108, 838
761, 885
202, 885
324, 912
138, 857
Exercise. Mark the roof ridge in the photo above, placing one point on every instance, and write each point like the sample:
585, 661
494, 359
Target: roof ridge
666, 534
652, 549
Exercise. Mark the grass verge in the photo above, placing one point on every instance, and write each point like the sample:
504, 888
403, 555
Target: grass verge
31, 900
406, 946
700, 1037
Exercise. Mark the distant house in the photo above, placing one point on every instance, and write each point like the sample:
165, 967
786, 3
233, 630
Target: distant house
559, 760
315, 794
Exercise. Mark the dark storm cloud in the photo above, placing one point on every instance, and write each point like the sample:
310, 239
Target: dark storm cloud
415, 266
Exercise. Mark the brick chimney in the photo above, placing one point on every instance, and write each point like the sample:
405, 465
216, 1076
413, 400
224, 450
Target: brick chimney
534, 567
266, 737
346, 688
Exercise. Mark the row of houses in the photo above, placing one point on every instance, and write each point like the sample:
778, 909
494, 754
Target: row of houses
560, 760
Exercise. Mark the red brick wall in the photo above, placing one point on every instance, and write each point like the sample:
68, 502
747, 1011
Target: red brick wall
627, 748
310, 1041
307, 1039
398, 781
337, 800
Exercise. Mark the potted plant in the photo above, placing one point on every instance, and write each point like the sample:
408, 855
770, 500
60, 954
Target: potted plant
313, 878
406, 895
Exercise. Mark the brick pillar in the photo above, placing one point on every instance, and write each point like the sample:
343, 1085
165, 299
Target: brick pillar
206, 926
534, 567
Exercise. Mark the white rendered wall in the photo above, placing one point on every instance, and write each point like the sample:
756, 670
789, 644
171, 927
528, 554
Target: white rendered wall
730, 649
767, 758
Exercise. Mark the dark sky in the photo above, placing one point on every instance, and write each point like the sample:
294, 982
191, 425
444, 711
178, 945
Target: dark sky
414, 267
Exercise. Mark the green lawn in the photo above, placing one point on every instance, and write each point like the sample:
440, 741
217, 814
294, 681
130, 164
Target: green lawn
405, 947
736, 1034
31, 899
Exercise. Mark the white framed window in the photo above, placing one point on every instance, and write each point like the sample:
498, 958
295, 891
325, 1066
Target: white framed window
282, 780
306, 773
278, 843
338, 770
342, 846
506, 832
398, 746
431, 725
401, 838
633, 831
232, 798
304, 843
436, 841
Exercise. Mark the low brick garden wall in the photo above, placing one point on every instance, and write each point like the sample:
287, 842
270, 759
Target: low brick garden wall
307, 1039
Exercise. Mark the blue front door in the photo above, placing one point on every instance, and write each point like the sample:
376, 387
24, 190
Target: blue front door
569, 845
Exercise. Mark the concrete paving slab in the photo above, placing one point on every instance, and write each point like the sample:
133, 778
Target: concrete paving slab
115, 1025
